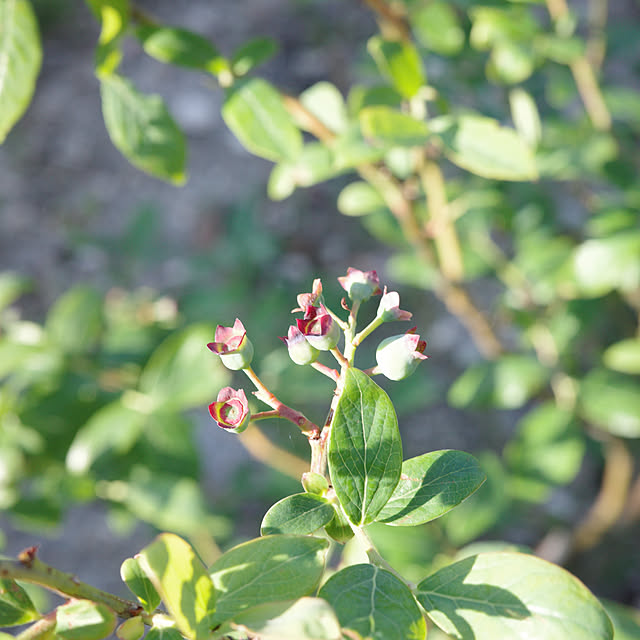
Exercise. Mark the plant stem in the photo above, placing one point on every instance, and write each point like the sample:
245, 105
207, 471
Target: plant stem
40, 629
327, 371
30, 569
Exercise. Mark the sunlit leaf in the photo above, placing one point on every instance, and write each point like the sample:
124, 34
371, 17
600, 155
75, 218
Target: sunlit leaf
386, 126
623, 356
298, 514
400, 63
136, 579
84, 620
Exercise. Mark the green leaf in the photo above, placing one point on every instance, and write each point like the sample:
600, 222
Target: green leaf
20, 58
136, 579
305, 619
526, 118
12, 286
15, 605
400, 63
506, 383
143, 130
181, 373
182, 582
626, 620
365, 450
431, 485
612, 402
75, 322
338, 527
374, 603
623, 356
386, 126
326, 103
314, 164
251, 54
84, 620
114, 17
480, 145
264, 570
351, 150
164, 633
359, 198
437, 27
131, 629
180, 47
512, 595
299, 514
255, 113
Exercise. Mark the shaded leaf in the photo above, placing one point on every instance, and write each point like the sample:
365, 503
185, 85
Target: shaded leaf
400, 63
374, 603
365, 450
114, 18
387, 126
338, 527
143, 130
358, 199
15, 605
251, 54
270, 569
626, 620
136, 579
512, 595
431, 485
131, 629
182, 582
298, 514
437, 27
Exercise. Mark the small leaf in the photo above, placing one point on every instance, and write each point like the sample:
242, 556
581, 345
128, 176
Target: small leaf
20, 58
131, 629
114, 18
400, 63
180, 47
305, 619
181, 373
12, 286
365, 450
374, 603
326, 103
264, 570
612, 402
255, 113
182, 582
163, 633
136, 579
512, 595
143, 130
623, 356
251, 54
298, 514
15, 605
338, 527
358, 199
387, 126
76, 320
84, 620
431, 485
437, 27
526, 118
480, 145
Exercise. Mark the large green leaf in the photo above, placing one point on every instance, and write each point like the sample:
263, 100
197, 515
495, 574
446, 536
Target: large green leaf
400, 63
181, 372
305, 619
480, 145
386, 126
365, 450
270, 569
626, 620
374, 603
182, 582
143, 130
15, 605
84, 620
255, 113
298, 514
512, 595
135, 578
20, 58
431, 485
611, 401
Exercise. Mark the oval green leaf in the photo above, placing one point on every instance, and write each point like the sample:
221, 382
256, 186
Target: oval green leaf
270, 569
182, 582
15, 605
359, 199
131, 629
623, 356
136, 579
386, 126
512, 595
480, 145
374, 603
365, 450
143, 130
431, 485
20, 58
298, 514
326, 103
84, 620
400, 63
251, 54
255, 113
339, 527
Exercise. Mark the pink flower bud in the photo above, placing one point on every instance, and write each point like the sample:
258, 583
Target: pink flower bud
300, 351
389, 307
231, 410
233, 346
319, 328
398, 356
360, 285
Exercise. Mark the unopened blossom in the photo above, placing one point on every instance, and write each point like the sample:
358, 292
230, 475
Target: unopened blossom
300, 350
360, 285
233, 346
306, 300
231, 410
389, 307
398, 356
319, 328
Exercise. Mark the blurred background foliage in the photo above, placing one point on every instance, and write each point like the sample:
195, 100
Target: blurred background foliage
496, 147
